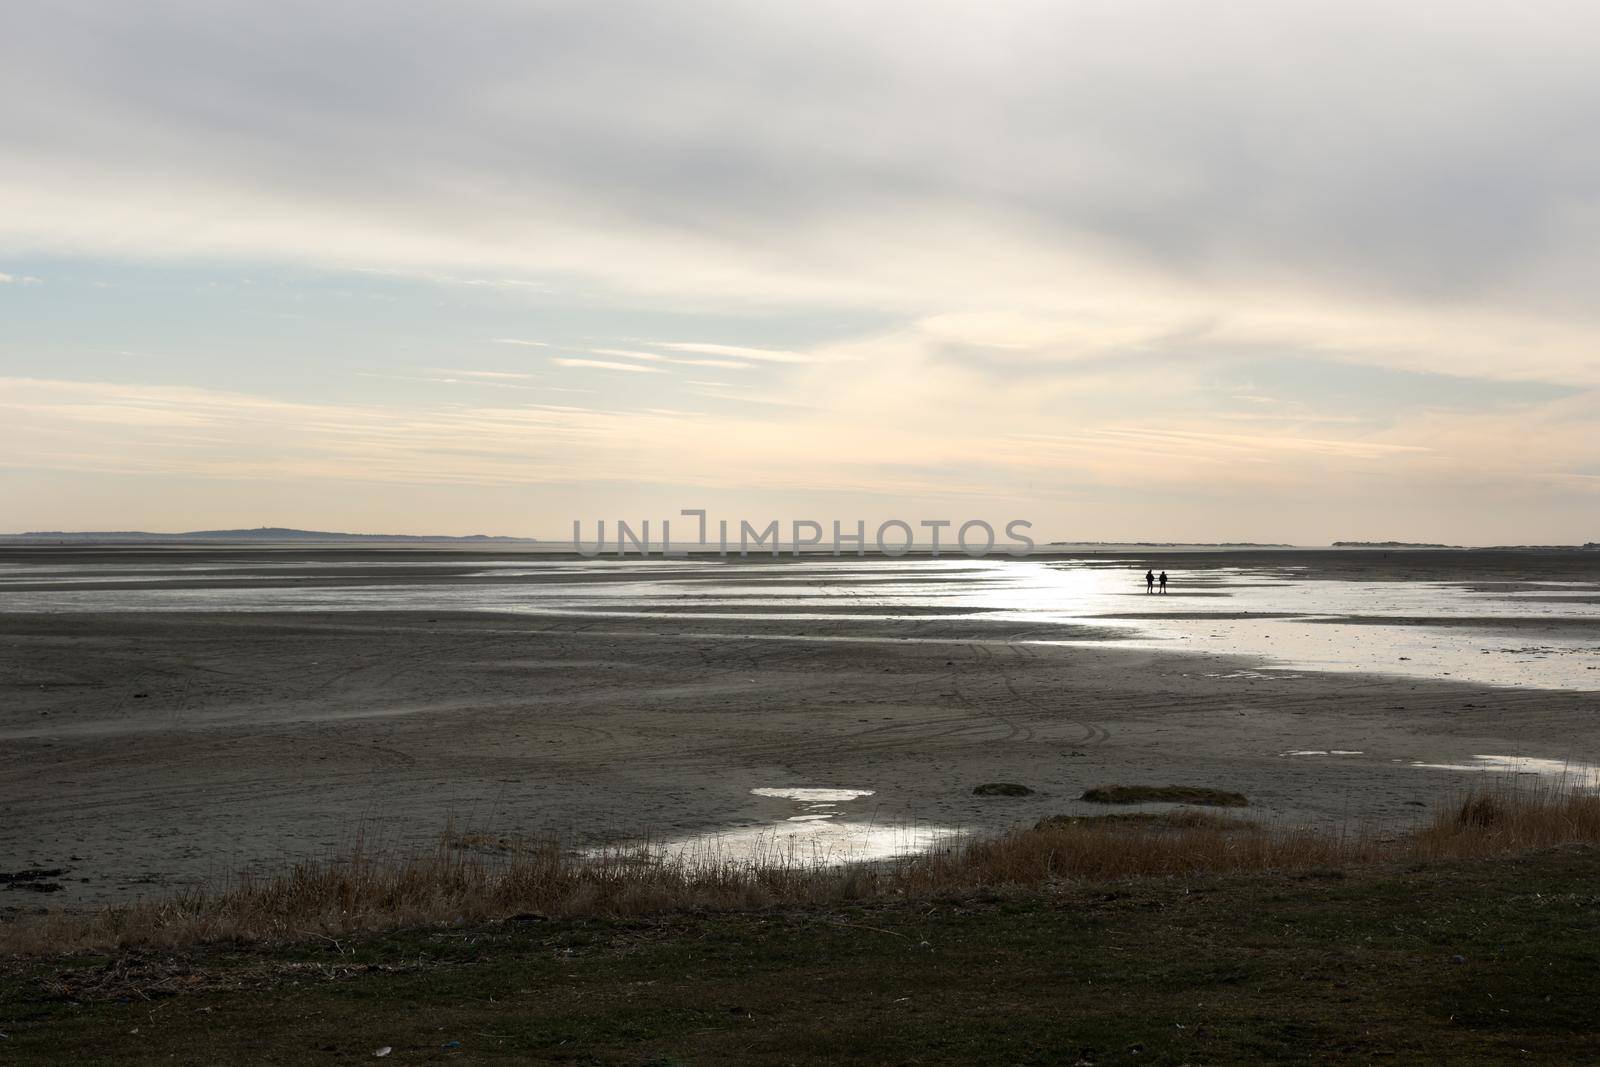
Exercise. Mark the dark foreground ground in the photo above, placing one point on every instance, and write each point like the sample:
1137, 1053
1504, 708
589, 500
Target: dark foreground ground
1482, 962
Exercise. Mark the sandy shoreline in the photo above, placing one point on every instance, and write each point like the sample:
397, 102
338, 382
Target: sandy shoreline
145, 750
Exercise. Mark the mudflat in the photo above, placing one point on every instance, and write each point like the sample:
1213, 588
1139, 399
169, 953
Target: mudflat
170, 716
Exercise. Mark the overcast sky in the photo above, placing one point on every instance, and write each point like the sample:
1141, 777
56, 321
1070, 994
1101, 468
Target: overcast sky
1159, 271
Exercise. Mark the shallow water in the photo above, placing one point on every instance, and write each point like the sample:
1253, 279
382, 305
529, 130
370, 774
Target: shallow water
1563, 773
818, 832
1481, 632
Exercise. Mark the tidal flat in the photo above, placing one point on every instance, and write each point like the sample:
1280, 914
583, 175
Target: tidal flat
177, 716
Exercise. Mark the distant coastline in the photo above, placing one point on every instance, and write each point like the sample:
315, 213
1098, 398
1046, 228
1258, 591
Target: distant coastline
281, 534
1168, 544
1391, 544
260, 533
1590, 546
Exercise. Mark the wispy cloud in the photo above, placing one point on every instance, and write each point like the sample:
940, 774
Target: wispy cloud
490, 374
724, 364
1256, 444
438, 278
449, 378
604, 364
520, 341
656, 357
629, 353
762, 355
1007, 457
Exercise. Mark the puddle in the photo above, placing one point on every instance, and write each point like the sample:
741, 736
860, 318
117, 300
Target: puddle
814, 836
814, 796
1568, 772
1324, 752
820, 803
814, 842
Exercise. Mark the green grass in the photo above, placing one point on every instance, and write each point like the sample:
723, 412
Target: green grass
1164, 794
1477, 960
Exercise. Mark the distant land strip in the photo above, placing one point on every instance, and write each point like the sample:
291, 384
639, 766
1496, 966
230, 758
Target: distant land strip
260, 533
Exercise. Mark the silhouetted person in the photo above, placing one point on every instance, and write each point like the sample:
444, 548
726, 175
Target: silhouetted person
1163, 581
1149, 582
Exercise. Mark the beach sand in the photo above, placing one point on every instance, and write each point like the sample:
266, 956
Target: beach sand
145, 751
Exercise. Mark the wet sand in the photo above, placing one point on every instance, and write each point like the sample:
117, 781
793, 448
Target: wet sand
144, 750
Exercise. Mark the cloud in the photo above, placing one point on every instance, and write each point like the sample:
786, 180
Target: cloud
724, 364
1029, 249
766, 355
491, 374
656, 357
602, 364
627, 353
1114, 175
997, 155
998, 453
481, 379
1165, 440
520, 284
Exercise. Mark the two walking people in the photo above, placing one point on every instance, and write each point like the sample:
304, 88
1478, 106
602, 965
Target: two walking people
1150, 581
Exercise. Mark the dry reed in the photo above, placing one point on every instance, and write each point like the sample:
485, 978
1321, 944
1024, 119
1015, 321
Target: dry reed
521, 877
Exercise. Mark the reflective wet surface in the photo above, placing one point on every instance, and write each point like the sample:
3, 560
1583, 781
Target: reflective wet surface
821, 832
1526, 633
1568, 773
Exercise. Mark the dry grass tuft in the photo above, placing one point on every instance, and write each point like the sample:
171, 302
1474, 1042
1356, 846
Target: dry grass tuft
479, 877
1492, 822
479, 841
1002, 789
1481, 811
1144, 820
